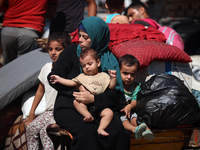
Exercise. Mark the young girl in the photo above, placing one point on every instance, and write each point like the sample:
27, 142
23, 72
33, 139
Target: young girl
129, 67
94, 82
36, 127
115, 8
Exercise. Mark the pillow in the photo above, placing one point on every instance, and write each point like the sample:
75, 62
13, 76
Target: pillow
147, 51
27, 102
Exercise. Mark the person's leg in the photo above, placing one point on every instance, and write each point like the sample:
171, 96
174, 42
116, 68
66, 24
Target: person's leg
82, 109
118, 139
47, 119
85, 135
128, 126
26, 40
139, 129
9, 43
106, 118
148, 134
131, 126
34, 132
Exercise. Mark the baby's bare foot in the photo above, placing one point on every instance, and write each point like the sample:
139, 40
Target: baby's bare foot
88, 118
102, 132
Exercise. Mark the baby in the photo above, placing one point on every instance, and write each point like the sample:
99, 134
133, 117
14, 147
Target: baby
95, 82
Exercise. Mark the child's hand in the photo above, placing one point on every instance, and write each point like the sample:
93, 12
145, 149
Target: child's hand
28, 120
127, 111
54, 79
112, 73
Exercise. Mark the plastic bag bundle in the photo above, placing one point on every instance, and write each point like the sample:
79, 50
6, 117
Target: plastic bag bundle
165, 102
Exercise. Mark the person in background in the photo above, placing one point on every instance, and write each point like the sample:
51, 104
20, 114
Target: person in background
129, 67
138, 13
23, 22
69, 13
137, 10
115, 8
36, 125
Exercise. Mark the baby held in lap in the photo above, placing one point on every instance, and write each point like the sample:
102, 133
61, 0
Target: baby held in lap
94, 82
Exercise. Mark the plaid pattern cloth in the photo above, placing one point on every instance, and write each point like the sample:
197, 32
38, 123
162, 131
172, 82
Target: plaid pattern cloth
16, 137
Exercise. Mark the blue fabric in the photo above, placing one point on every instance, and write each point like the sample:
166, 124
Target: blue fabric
196, 94
99, 33
82, 27
109, 17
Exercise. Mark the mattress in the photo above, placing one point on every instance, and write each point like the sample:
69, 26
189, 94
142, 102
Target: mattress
20, 75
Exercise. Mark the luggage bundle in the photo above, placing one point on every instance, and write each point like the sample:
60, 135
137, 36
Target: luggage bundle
165, 102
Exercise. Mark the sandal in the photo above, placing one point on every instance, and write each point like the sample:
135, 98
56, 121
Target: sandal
139, 130
148, 135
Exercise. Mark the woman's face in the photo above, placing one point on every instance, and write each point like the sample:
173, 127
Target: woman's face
84, 40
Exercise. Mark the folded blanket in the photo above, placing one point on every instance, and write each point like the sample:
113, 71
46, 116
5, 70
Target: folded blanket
16, 137
125, 32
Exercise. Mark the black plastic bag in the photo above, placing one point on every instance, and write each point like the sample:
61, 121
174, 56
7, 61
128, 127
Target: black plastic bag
165, 102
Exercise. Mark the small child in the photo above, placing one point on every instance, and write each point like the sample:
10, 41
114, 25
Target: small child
115, 8
129, 66
94, 82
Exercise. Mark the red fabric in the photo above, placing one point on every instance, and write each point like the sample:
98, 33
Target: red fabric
145, 44
124, 32
173, 38
26, 13
150, 21
74, 37
147, 51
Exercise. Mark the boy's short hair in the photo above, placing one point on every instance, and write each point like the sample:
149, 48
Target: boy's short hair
62, 37
137, 5
91, 52
115, 4
129, 60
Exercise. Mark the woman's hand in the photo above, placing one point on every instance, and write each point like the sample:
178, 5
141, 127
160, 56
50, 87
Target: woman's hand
84, 97
29, 119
